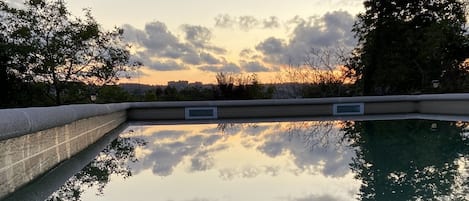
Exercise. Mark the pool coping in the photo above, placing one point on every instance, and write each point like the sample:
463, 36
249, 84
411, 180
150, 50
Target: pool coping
21, 121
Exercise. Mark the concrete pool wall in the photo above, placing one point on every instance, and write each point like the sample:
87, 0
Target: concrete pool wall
439, 104
37, 139
34, 140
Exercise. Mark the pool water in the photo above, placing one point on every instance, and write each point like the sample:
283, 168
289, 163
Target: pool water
285, 161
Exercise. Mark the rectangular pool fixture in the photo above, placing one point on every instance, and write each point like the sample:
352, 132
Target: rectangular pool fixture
348, 109
201, 112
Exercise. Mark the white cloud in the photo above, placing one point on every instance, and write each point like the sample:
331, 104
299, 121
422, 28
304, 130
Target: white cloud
209, 58
246, 22
198, 36
254, 66
161, 50
167, 66
224, 21
271, 22
228, 67
329, 31
317, 198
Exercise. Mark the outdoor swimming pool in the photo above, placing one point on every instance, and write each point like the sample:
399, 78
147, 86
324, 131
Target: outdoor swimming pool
290, 161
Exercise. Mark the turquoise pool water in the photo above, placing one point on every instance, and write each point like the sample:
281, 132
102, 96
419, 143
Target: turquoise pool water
288, 161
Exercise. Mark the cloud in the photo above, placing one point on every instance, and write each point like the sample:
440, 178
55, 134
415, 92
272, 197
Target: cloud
246, 172
167, 66
203, 159
272, 46
275, 50
199, 199
329, 31
155, 44
167, 149
200, 38
246, 22
229, 67
250, 54
197, 35
224, 21
168, 134
209, 58
316, 198
254, 66
271, 22
326, 160
245, 53
160, 49
193, 59
272, 149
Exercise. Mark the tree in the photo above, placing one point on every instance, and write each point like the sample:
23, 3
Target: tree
113, 94
239, 86
59, 48
404, 45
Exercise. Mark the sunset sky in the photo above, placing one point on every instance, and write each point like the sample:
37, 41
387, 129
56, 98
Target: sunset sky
193, 40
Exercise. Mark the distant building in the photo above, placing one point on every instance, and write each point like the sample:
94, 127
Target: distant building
182, 84
196, 84
178, 85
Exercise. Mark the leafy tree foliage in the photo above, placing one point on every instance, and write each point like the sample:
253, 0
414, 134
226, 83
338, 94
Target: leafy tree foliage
113, 94
241, 87
404, 45
53, 47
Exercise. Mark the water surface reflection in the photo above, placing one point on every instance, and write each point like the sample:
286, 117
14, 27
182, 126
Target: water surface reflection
292, 161
410, 159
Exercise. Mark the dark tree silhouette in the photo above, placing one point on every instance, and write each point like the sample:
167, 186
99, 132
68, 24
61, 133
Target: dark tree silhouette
54, 47
405, 45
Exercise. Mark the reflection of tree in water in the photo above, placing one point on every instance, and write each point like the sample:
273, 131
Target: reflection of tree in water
410, 159
233, 128
113, 160
321, 134
313, 133
314, 147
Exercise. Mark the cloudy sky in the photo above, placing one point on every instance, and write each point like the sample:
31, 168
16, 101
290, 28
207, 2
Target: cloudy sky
193, 40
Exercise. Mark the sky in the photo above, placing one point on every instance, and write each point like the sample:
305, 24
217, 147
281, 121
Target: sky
193, 40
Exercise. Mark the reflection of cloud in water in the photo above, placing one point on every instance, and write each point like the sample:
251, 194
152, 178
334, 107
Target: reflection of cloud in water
167, 134
330, 160
198, 199
316, 198
166, 152
169, 148
203, 160
228, 174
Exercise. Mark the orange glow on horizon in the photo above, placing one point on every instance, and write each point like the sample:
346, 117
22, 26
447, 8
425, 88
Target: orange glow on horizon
284, 75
